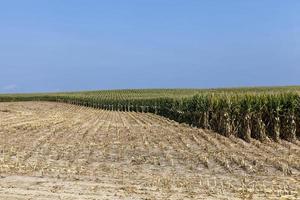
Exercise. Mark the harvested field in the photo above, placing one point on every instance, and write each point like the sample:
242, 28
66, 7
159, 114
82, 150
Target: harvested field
63, 151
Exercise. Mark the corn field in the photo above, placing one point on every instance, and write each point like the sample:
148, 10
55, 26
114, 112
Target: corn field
258, 113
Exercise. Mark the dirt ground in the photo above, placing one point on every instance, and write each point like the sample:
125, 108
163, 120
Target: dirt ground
62, 151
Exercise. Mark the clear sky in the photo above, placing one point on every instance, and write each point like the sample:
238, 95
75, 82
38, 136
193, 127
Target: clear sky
62, 45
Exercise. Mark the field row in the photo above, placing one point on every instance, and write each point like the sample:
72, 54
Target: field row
248, 114
138, 155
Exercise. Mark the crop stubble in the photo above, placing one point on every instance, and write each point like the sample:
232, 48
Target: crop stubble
55, 150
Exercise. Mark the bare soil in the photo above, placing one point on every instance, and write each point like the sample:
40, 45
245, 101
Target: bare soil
62, 151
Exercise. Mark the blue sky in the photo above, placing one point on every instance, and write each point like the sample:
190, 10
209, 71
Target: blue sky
63, 45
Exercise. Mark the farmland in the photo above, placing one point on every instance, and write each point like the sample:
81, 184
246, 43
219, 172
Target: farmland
259, 113
151, 144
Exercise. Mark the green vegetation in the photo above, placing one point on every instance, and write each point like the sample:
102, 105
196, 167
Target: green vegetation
259, 113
